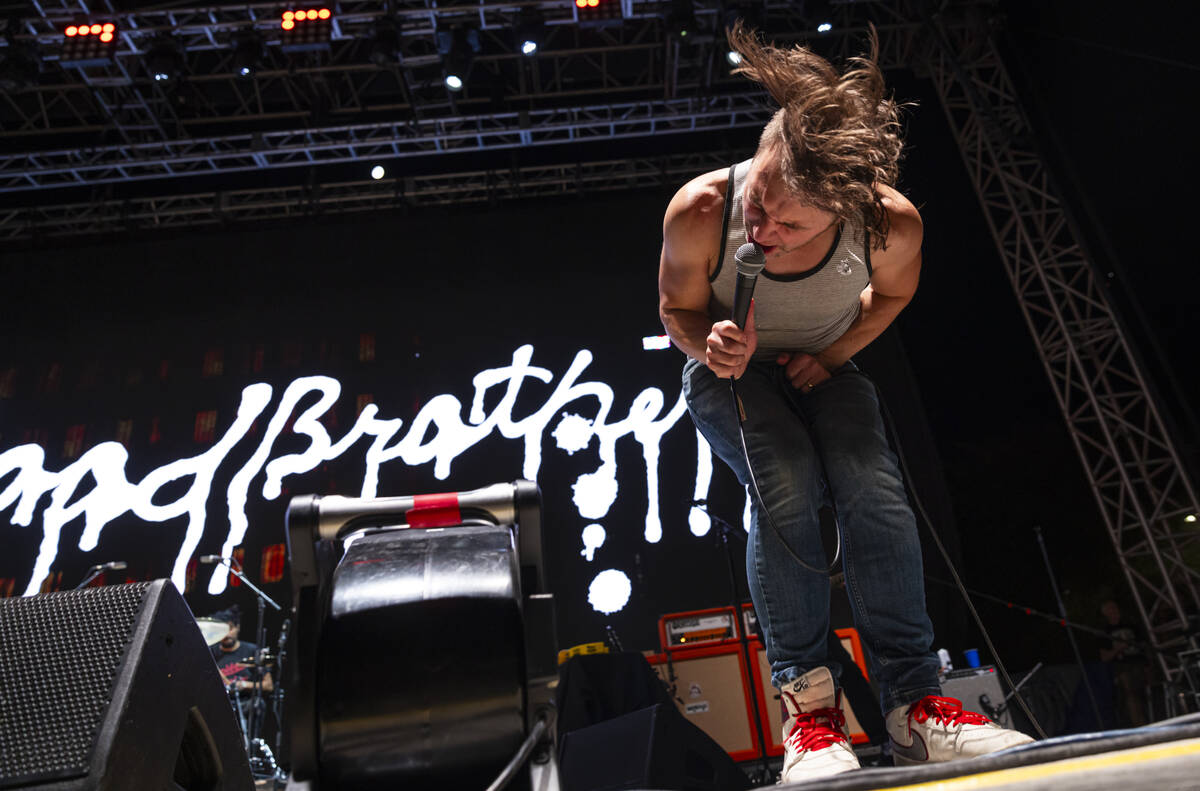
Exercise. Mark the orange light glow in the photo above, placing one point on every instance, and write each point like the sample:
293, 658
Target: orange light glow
71, 31
288, 16
106, 37
109, 27
96, 29
324, 13
288, 24
593, 3
83, 30
581, 3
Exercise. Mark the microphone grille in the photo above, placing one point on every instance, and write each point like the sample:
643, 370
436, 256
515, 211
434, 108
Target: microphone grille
750, 259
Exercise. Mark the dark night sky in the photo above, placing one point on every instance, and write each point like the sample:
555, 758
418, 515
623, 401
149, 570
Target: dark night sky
1106, 91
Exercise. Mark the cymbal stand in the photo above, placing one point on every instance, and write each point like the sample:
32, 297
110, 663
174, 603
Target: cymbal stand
280, 655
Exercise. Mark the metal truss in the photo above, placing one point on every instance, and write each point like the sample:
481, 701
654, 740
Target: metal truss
258, 205
375, 142
1140, 484
113, 124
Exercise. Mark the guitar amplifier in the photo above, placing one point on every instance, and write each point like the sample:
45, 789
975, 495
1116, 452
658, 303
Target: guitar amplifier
712, 691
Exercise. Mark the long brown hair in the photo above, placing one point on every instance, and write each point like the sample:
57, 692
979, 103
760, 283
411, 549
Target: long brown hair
837, 133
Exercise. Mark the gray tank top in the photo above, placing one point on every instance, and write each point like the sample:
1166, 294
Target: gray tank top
801, 312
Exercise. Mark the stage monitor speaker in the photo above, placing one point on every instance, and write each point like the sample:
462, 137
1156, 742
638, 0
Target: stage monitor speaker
653, 747
711, 693
979, 690
113, 688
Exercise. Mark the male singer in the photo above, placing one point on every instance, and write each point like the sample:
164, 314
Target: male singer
843, 255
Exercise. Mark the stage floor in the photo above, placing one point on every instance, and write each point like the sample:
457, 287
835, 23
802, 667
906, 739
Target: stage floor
1163, 757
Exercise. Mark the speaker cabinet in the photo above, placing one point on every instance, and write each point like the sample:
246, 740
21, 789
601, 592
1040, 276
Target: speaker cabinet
653, 747
711, 692
979, 690
113, 688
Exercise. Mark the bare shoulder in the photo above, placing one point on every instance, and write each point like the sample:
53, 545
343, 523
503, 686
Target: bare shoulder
695, 213
905, 228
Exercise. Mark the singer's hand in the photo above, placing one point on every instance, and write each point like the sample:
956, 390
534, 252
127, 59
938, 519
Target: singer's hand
803, 370
729, 349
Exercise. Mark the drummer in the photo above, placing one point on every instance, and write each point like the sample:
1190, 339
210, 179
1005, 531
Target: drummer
235, 658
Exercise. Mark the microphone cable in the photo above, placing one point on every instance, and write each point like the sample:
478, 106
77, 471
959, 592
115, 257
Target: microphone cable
740, 411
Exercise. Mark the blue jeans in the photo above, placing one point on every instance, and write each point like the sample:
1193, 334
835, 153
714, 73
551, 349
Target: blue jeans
826, 445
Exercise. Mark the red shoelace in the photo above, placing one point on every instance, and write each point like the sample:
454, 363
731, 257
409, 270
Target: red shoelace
817, 729
947, 710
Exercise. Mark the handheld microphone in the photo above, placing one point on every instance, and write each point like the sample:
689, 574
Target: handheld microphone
213, 559
750, 261
115, 565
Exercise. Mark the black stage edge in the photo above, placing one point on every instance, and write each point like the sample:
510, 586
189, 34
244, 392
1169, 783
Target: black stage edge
1042, 752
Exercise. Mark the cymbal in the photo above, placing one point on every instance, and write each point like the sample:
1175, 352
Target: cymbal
212, 630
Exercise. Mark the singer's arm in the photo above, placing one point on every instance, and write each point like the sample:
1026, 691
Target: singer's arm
691, 238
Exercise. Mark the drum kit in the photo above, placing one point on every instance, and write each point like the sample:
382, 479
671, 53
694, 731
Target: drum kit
250, 701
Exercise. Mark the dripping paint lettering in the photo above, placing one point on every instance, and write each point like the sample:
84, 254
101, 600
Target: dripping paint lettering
438, 433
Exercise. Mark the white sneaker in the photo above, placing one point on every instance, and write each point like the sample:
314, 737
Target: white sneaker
937, 729
814, 733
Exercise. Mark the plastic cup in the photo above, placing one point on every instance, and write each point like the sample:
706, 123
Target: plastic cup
972, 657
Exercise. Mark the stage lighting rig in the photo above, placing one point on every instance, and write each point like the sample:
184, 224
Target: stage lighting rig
458, 47
681, 19
247, 54
599, 13
88, 44
819, 14
748, 15
164, 60
306, 29
529, 30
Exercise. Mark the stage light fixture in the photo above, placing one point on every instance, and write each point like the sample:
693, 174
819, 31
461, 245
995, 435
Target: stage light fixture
529, 30
458, 47
247, 54
819, 14
1190, 518
88, 44
599, 13
378, 172
681, 19
305, 29
164, 61
750, 16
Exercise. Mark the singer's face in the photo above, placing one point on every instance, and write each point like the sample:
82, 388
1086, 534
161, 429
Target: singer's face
776, 220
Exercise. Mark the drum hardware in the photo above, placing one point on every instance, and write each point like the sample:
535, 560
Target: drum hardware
212, 630
262, 760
